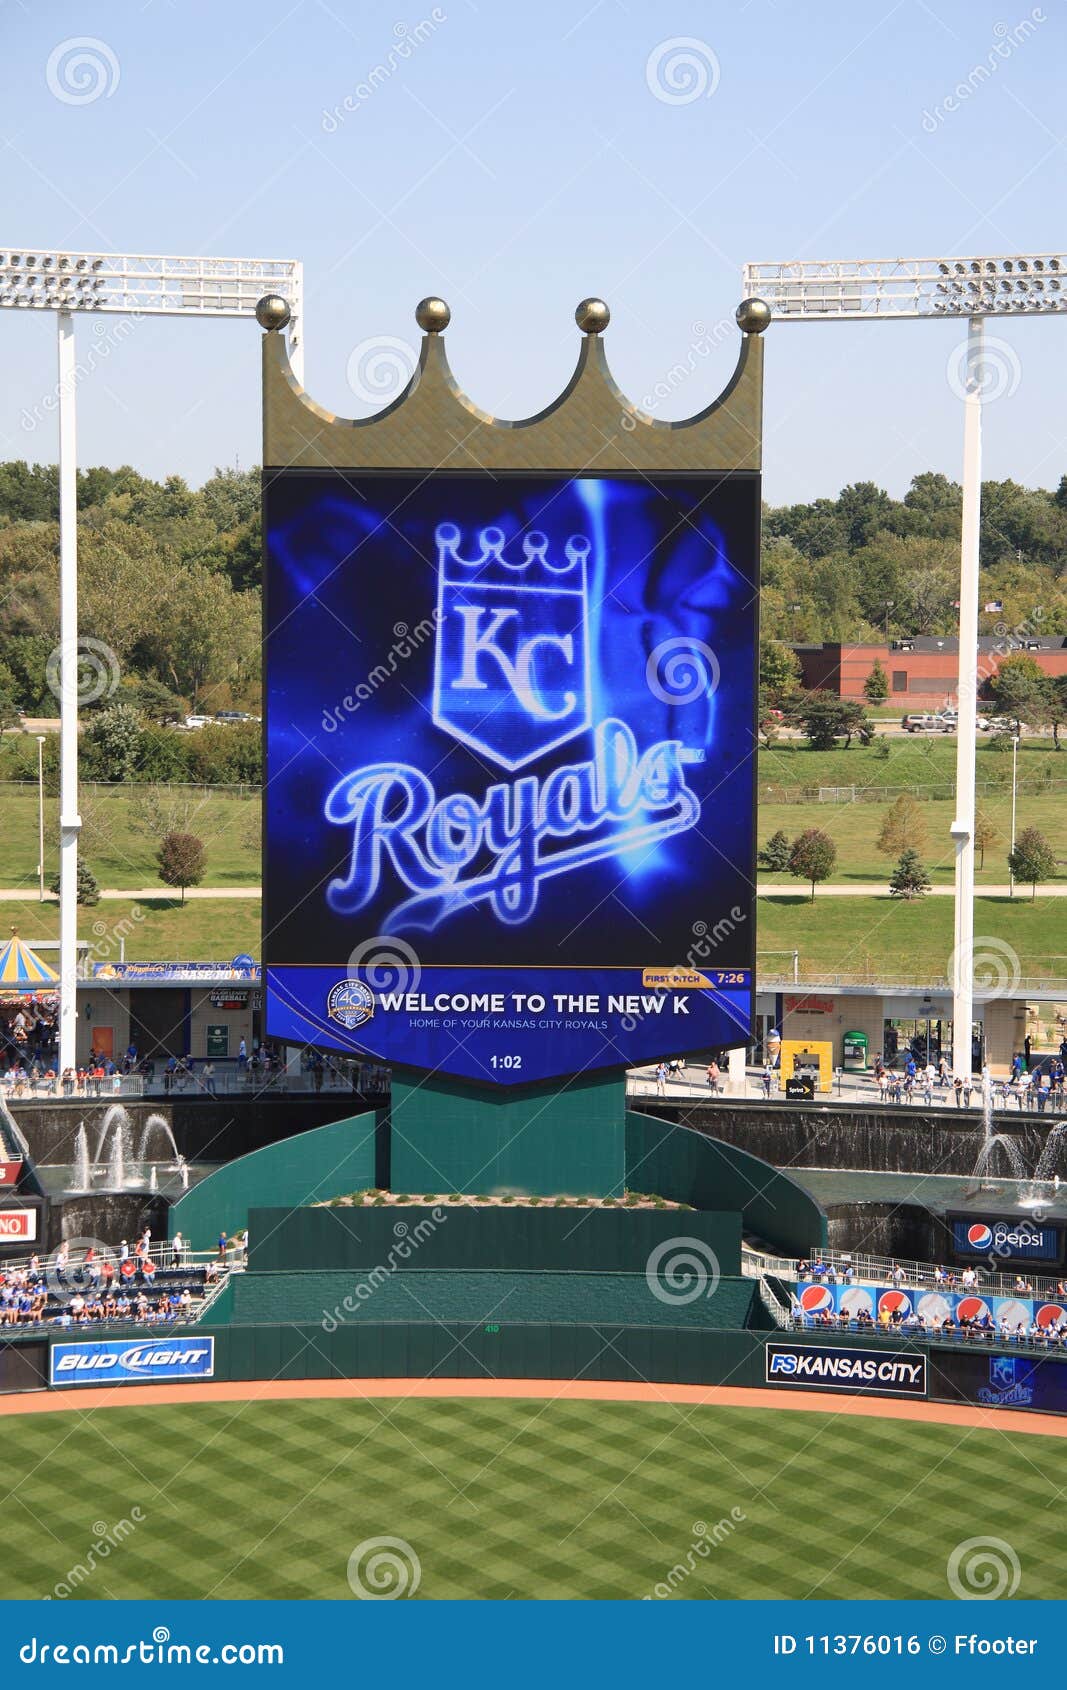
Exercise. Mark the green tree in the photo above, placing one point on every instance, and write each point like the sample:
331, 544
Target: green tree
904, 827
826, 718
182, 860
775, 854
876, 686
112, 742
1020, 687
1033, 858
910, 879
1057, 705
812, 856
985, 835
88, 887
779, 670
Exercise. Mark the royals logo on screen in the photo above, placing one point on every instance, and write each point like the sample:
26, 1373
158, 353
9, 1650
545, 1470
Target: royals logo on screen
511, 671
513, 681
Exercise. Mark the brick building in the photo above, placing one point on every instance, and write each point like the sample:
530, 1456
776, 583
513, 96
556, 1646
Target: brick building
921, 671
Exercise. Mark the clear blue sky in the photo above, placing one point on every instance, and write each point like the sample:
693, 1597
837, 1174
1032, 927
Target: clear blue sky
517, 160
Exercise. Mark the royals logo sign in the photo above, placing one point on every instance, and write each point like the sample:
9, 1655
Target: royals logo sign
539, 793
511, 677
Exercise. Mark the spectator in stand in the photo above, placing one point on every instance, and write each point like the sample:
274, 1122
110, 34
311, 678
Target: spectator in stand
177, 1249
223, 1243
713, 1075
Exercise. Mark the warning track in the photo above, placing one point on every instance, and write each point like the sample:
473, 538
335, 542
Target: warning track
79, 1399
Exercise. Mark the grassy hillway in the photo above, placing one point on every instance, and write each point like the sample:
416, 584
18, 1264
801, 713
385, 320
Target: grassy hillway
856, 935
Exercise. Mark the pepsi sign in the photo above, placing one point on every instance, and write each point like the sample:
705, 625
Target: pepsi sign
1008, 1238
144, 1361
510, 792
833, 1367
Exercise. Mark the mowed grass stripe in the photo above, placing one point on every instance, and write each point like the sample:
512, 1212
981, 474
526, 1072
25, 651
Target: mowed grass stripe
520, 1498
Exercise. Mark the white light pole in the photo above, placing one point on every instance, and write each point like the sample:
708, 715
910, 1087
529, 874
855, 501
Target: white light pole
1014, 767
858, 290
40, 817
131, 285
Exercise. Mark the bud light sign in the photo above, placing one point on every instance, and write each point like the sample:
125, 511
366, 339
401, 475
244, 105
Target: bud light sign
1010, 1239
142, 1361
510, 774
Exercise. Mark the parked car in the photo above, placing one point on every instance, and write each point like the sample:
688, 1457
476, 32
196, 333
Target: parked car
196, 721
929, 723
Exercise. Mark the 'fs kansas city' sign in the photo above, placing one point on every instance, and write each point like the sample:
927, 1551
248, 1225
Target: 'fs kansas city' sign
510, 774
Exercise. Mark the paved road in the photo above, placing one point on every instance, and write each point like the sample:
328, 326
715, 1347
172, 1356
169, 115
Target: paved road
766, 889
880, 889
28, 894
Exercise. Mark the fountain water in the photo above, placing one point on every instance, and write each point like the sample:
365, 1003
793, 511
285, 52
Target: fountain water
157, 1124
82, 1174
1046, 1180
990, 1142
116, 1162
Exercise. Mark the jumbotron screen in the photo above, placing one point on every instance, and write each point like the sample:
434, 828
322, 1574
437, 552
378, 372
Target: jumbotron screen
510, 779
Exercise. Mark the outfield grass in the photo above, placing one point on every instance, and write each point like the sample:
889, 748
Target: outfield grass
505, 1499
886, 937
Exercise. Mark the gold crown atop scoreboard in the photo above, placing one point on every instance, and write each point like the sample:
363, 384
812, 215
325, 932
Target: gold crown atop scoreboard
592, 427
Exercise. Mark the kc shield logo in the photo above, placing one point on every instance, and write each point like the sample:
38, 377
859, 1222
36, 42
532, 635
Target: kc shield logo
511, 666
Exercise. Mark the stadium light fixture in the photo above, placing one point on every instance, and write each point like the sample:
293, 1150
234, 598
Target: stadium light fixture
859, 290
132, 285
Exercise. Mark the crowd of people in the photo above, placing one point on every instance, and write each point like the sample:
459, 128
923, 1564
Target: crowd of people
129, 1284
910, 1320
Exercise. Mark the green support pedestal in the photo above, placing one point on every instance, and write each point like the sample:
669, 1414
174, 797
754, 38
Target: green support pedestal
566, 1137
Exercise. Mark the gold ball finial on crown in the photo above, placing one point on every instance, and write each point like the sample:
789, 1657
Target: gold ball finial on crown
753, 316
432, 315
592, 316
272, 311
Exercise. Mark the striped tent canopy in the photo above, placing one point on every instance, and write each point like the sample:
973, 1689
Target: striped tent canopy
21, 970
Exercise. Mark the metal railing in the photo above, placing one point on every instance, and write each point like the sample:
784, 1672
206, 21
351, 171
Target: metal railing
879, 1270
926, 1333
